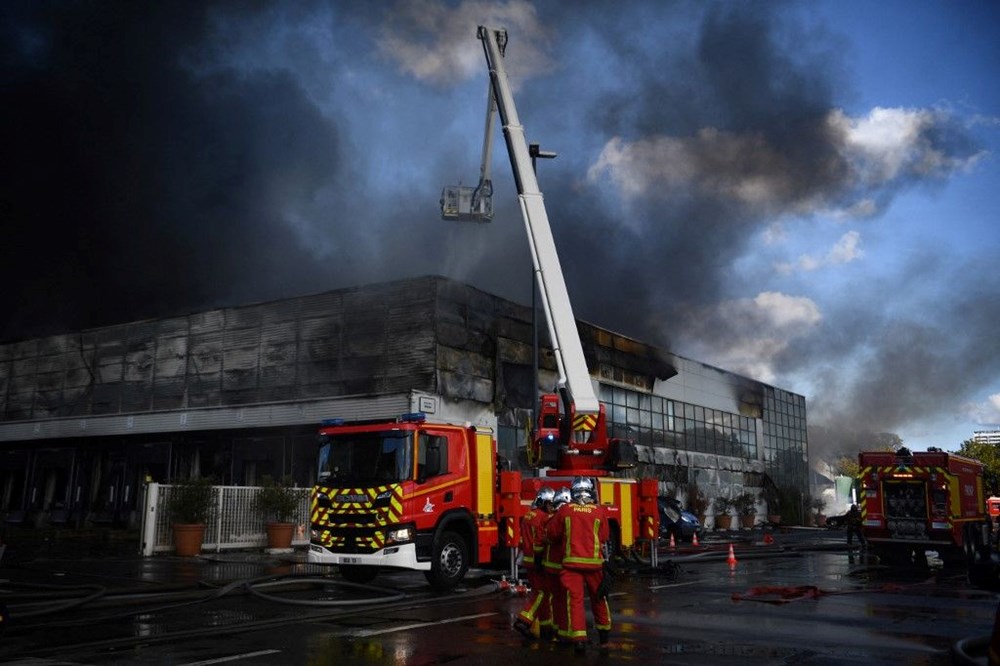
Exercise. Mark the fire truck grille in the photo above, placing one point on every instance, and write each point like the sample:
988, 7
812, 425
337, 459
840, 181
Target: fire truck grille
352, 540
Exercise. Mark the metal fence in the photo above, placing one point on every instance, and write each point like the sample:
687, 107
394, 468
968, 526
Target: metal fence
233, 523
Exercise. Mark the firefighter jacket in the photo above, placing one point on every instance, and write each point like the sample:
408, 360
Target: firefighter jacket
532, 534
580, 529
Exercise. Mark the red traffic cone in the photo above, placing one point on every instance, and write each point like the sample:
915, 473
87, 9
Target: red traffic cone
768, 539
673, 544
694, 539
732, 557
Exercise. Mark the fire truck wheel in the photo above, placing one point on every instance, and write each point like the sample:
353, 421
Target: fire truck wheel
358, 573
450, 561
613, 546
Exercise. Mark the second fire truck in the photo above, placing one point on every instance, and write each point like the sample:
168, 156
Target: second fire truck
912, 502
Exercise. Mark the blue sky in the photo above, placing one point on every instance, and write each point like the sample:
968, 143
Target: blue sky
803, 192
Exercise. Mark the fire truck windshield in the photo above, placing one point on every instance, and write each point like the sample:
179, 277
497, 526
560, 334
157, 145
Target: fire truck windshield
365, 459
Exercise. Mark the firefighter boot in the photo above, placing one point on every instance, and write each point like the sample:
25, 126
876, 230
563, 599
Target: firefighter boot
579, 647
547, 634
603, 636
523, 628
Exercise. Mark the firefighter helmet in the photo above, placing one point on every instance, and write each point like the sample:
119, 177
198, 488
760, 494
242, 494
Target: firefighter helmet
582, 490
562, 497
544, 495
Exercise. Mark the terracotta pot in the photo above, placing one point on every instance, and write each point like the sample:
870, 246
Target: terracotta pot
279, 535
774, 518
746, 522
723, 522
188, 539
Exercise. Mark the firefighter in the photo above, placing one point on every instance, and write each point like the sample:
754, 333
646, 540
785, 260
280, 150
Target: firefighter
539, 603
853, 522
582, 528
552, 557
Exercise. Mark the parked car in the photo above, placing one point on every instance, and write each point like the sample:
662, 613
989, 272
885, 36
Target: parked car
836, 522
676, 520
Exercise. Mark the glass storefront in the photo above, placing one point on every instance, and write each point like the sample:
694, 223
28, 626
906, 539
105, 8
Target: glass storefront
650, 420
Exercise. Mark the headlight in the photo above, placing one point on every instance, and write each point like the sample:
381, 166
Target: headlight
400, 535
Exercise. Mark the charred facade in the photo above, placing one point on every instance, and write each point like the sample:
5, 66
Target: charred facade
86, 418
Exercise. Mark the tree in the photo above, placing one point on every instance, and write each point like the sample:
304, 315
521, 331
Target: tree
989, 455
847, 466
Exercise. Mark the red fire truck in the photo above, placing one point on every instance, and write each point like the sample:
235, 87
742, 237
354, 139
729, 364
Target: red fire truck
414, 494
912, 502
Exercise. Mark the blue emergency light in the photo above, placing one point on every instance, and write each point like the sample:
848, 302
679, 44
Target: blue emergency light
413, 417
332, 422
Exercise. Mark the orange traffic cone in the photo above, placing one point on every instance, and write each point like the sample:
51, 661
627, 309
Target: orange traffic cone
694, 539
732, 557
673, 544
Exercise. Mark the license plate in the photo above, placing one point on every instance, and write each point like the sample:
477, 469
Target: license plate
350, 560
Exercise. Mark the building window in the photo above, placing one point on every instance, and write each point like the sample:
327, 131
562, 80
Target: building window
650, 420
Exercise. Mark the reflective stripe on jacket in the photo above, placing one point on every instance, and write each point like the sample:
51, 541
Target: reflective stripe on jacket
581, 529
532, 534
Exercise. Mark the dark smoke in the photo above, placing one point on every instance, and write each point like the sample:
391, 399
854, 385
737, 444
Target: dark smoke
132, 187
159, 160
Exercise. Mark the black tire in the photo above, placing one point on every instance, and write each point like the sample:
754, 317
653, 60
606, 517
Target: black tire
613, 546
449, 563
358, 573
641, 552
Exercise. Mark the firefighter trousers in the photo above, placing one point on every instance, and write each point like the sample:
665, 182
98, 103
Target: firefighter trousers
539, 603
556, 601
574, 584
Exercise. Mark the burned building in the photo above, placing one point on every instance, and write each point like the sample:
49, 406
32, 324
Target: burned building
87, 418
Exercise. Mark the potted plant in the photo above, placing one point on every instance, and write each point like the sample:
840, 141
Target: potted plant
189, 506
277, 503
817, 504
794, 506
722, 506
746, 508
770, 496
697, 501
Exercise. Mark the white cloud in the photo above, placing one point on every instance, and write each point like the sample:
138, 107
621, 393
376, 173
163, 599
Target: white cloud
775, 233
846, 250
436, 43
785, 312
986, 412
889, 144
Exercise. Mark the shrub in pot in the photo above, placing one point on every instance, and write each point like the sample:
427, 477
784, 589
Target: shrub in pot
276, 503
772, 500
722, 506
189, 506
697, 501
746, 507
817, 504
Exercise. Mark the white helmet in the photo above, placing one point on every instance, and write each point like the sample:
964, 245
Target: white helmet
544, 495
582, 490
562, 497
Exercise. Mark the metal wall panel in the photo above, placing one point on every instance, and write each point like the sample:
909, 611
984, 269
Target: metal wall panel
429, 334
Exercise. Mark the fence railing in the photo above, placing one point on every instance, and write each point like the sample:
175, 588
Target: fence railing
233, 524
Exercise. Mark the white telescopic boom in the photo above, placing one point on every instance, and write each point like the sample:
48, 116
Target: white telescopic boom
572, 366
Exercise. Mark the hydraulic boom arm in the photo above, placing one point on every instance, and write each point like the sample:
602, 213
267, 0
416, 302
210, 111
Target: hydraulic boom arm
573, 374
